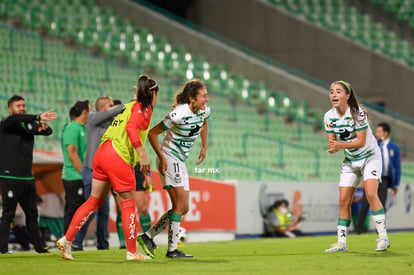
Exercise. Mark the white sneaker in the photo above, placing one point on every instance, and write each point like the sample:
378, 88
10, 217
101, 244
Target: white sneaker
382, 245
337, 247
65, 247
137, 256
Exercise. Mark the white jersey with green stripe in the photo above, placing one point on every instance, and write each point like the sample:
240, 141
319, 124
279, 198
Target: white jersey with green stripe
183, 127
345, 128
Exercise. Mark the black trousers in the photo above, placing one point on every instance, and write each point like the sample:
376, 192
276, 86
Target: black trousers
23, 192
382, 194
74, 197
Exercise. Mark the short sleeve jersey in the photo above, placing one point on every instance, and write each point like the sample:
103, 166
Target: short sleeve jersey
345, 129
129, 130
73, 134
183, 127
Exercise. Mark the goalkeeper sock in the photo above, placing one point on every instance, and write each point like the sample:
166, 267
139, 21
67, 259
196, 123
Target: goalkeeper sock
82, 216
129, 224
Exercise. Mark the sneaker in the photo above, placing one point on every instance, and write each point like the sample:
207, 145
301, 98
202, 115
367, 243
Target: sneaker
178, 254
147, 244
337, 247
137, 256
382, 245
65, 247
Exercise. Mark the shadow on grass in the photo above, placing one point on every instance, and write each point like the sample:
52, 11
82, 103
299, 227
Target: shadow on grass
383, 254
182, 261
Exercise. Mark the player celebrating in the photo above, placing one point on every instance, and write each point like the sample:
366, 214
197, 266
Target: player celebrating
347, 127
121, 148
183, 124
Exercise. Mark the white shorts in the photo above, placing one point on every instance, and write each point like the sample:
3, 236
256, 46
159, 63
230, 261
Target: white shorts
176, 174
353, 171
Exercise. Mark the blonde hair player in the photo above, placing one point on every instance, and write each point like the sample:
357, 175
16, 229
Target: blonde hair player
183, 124
348, 128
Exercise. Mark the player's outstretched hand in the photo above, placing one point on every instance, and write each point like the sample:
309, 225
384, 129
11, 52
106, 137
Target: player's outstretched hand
48, 115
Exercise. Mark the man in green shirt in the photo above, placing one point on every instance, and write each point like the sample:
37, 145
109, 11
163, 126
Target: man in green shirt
74, 149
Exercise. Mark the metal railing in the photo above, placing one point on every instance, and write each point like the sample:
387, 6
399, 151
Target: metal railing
258, 170
282, 144
68, 80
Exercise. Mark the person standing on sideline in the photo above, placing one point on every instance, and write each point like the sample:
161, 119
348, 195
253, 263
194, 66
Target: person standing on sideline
74, 149
391, 172
17, 182
183, 124
113, 164
347, 127
97, 124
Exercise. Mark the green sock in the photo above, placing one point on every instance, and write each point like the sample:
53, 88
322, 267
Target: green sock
145, 221
121, 236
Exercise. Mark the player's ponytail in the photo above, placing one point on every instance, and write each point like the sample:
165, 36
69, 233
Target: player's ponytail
190, 89
146, 88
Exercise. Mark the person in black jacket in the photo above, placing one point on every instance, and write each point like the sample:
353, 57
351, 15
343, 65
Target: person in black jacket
16, 176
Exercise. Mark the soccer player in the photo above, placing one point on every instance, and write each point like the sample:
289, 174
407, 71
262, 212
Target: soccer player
183, 124
347, 127
17, 182
121, 148
97, 124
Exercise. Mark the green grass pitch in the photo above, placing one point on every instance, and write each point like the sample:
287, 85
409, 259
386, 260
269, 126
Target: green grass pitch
249, 256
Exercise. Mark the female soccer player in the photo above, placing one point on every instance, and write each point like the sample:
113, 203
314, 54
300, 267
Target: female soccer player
347, 127
121, 148
183, 124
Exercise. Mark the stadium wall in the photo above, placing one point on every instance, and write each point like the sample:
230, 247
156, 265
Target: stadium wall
275, 33
317, 202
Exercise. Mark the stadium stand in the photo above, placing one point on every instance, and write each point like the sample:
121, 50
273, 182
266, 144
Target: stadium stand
56, 54
345, 19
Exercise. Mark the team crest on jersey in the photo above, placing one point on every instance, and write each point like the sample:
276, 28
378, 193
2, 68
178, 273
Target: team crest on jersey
10, 194
350, 121
177, 178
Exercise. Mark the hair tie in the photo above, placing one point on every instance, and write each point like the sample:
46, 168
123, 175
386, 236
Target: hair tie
153, 87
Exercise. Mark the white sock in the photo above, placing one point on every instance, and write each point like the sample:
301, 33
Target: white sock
159, 226
342, 233
173, 229
380, 225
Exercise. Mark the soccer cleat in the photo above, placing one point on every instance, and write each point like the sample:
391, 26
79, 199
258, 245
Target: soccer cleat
65, 247
382, 245
137, 256
147, 245
337, 247
178, 254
